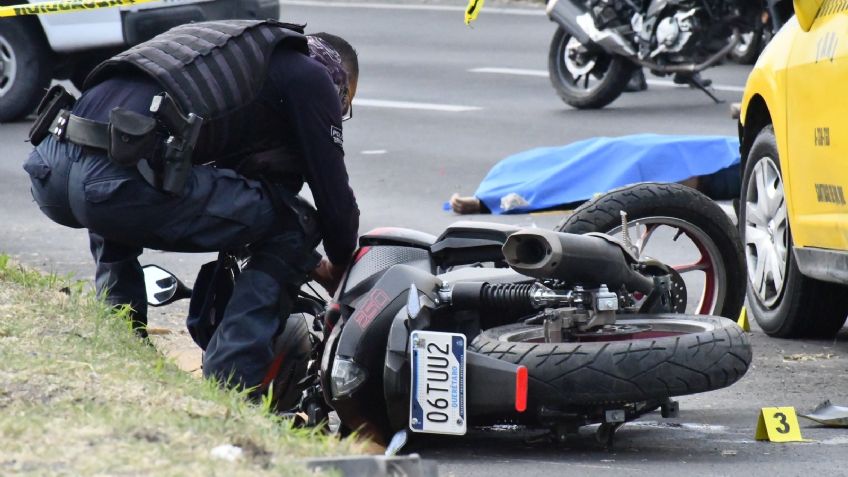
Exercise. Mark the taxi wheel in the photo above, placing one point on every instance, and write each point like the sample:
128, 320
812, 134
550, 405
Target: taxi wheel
784, 302
24, 69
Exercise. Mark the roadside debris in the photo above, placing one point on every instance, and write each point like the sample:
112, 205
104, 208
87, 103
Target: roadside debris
829, 415
227, 452
809, 356
375, 466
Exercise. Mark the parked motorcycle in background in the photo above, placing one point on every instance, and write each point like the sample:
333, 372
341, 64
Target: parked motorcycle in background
766, 23
599, 43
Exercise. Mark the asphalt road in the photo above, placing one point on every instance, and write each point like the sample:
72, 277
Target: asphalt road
438, 105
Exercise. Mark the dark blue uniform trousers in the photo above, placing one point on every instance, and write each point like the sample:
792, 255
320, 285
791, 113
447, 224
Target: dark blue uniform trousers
219, 210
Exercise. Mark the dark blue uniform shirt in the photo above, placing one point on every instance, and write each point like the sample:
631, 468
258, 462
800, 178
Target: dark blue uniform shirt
300, 92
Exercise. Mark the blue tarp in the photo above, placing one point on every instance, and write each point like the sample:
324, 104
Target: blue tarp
553, 176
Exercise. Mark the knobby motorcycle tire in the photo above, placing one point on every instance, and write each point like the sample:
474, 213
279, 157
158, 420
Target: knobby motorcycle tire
593, 373
655, 199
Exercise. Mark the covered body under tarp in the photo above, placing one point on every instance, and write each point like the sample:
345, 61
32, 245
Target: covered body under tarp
550, 177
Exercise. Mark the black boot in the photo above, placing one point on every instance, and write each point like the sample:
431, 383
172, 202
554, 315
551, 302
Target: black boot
637, 82
690, 78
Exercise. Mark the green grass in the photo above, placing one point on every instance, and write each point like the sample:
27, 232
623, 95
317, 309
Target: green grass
80, 395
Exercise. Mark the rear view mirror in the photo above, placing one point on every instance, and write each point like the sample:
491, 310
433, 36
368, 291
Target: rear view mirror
806, 12
163, 287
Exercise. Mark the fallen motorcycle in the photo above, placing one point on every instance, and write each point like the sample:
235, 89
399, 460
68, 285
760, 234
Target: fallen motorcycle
491, 324
599, 43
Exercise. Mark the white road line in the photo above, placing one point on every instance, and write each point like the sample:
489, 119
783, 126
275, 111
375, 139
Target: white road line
382, 103
510, 71
413, 6
651, 82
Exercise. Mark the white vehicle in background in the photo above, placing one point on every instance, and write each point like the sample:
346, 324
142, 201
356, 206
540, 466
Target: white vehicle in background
37, 49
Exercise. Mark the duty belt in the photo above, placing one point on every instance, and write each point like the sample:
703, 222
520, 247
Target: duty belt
160, 146
81, 131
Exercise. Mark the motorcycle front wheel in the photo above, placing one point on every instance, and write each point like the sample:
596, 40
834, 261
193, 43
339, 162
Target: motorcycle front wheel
586, 78
644, 358
680, 227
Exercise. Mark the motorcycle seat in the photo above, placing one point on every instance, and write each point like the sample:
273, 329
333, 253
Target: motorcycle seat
467, 242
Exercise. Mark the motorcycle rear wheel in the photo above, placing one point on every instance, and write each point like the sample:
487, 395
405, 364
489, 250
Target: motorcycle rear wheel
679, 355
292, 351
586, 79
748, 49
715, 275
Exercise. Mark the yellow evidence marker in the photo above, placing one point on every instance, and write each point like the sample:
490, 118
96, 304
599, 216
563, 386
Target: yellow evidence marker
743, 320
778, 424
472, 10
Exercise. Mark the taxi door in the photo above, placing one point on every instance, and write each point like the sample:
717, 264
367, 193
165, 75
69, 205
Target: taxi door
816, 168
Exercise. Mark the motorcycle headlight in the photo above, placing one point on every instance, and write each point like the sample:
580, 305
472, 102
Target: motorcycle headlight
345, 377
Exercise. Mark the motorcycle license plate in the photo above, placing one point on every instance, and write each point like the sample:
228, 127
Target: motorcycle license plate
438, 383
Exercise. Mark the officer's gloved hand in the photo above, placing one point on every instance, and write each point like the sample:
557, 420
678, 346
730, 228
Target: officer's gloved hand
328, 275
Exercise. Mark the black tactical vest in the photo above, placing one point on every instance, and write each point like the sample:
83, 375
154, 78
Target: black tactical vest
215, 70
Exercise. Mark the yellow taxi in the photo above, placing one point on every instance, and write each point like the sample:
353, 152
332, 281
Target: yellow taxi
793, 215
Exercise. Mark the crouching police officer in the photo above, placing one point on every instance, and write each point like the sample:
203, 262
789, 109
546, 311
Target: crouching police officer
164, 150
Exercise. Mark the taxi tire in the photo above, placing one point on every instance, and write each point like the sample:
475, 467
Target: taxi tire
33, 68
605, 372
648, 199
807, 308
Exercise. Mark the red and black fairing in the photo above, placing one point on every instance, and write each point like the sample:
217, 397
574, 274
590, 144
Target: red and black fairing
371, 306
379, 250
375, 336
361, 336
467, 242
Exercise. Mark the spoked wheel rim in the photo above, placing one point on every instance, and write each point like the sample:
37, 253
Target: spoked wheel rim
698, 259
580, 70
633, 329
8, 66
766, 232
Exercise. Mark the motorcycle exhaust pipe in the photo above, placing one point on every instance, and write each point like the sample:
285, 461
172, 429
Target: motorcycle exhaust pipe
574, 18
565, 13
693, 67
584, 259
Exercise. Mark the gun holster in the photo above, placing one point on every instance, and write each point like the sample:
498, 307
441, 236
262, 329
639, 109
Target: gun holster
56, 99
178, 149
